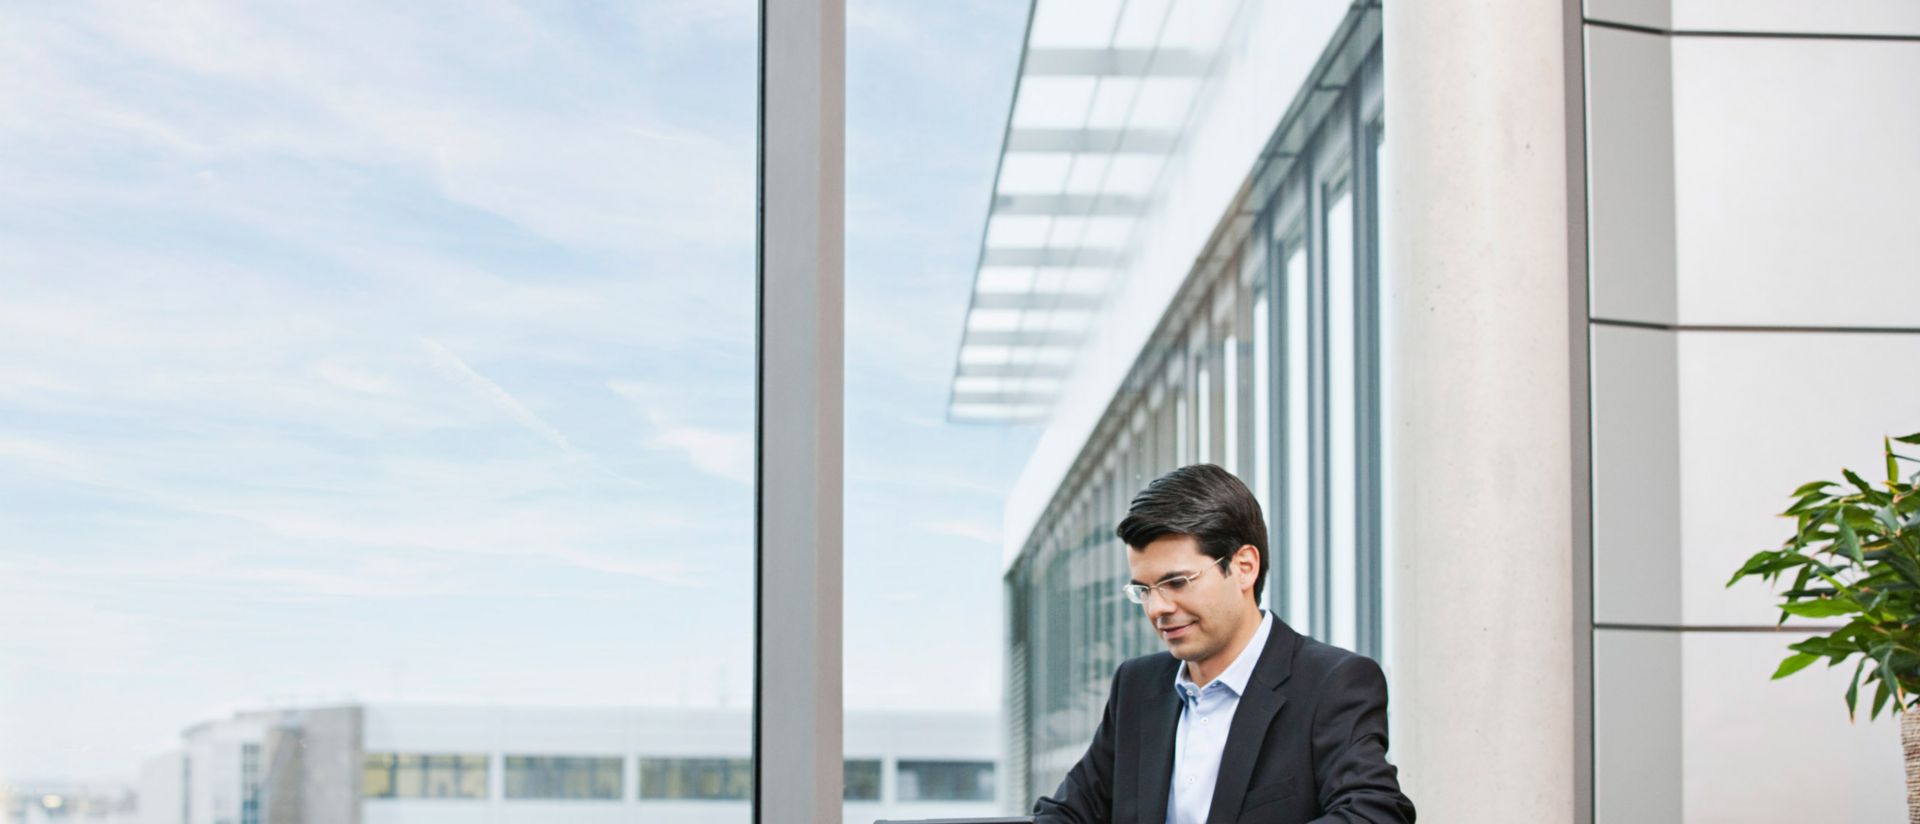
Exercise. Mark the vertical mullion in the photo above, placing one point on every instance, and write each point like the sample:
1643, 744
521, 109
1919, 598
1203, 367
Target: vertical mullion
1244, 289
1366, 379
1319, 576
1272, 275
797, 770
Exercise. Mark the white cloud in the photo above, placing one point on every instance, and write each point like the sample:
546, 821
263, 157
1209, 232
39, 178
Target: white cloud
497, 395
725, 452
672, 573
722, 453
354, 379
971, 530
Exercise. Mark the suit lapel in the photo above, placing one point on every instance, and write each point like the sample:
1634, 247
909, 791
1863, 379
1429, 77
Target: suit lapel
1158, 718
1251, 719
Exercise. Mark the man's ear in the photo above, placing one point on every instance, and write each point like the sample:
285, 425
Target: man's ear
1249, 555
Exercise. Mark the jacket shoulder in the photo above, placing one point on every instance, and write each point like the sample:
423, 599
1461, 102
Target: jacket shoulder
1315, 660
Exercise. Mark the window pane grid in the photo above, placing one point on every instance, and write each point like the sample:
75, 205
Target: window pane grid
417, 775
945, 780
564, 777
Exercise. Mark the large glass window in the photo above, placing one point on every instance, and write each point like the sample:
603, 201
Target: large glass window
1298, 454
386, 350
409, 775
250, 783
1263, 408
862, 780
1382, 235
697, 779
1342, 518
564, 777
945, 780
928, 91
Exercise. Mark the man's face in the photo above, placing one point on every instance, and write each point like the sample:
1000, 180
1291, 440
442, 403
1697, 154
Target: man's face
1202, 619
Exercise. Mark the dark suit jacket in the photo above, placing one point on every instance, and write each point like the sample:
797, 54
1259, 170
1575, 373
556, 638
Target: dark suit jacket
1308, 744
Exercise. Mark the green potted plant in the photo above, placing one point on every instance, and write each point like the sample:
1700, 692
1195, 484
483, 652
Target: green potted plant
1855, 554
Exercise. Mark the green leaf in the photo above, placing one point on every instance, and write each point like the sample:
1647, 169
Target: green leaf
1793, 664
1809, 501
1907, 567
1912, 439
1850, 543
1811, 487
1862, 485
1879, 699
1818, 646
1823, 608
1853, 690
1893, 466
1768, 563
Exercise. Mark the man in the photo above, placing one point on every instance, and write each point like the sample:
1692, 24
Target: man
1243, 720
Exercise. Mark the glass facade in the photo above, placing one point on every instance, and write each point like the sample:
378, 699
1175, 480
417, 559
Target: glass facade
1267, 365
250, 783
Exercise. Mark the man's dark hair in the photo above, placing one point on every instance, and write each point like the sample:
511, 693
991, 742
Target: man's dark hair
1206, 502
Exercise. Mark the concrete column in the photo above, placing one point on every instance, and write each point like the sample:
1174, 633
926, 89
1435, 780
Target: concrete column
1478, 386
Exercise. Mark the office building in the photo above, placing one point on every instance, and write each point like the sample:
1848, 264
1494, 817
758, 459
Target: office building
407, 764
1521, 321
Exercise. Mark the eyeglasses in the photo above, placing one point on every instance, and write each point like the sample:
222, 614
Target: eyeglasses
1168, 588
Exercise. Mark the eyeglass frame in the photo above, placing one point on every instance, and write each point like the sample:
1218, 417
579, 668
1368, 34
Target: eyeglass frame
1180, 581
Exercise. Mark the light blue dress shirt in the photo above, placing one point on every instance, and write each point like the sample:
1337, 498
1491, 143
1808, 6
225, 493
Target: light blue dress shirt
1205, 715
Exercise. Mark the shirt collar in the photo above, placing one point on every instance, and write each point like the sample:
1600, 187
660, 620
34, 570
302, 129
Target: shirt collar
1241, 670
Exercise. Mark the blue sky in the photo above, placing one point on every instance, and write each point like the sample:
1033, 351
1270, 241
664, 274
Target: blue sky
406, 354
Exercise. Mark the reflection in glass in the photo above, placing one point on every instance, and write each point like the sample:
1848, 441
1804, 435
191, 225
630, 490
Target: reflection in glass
1203, 417
706, 779
1342, 521
1263, 416
376, 775
1299, 421
250, 783
564, 777
862, 780
391, 775
1230, 403
945, 780
1383, 485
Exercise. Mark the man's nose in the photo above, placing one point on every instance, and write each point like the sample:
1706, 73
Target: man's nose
1157, 605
